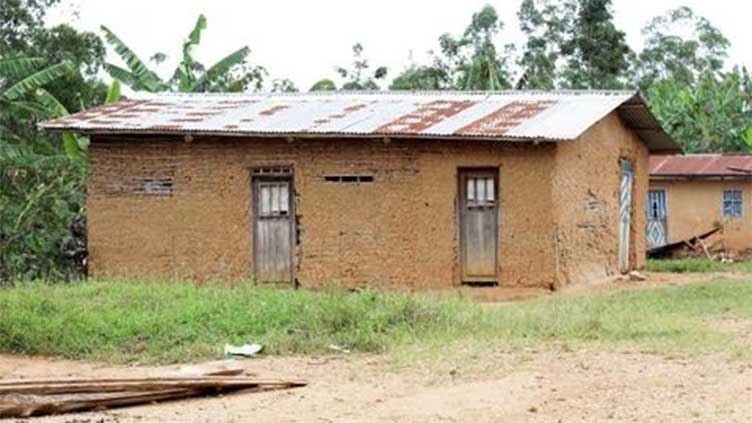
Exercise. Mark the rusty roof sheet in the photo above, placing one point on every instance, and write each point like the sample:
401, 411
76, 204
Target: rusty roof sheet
505, 115
701, 165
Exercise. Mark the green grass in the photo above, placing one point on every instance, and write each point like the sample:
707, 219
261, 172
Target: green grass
121, 321
696, 265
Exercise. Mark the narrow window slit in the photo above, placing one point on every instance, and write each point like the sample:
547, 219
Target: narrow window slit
157, 186
349, 179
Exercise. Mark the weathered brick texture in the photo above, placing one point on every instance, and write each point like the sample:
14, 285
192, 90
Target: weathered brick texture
399, 231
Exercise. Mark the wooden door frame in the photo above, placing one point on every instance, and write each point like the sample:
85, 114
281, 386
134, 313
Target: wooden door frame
460, 191
626, 267
290, 178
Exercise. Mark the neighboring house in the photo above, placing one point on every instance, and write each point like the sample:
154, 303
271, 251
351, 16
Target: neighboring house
398, 190
692, 194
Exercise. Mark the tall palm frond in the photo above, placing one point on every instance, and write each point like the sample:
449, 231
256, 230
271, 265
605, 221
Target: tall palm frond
145, 77
221, 67
36, 80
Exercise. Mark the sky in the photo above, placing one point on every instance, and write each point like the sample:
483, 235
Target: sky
305, 40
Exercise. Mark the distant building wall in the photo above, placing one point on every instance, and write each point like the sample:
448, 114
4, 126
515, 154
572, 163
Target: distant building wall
695, 206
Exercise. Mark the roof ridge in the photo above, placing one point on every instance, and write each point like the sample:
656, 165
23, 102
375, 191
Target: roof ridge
391, 93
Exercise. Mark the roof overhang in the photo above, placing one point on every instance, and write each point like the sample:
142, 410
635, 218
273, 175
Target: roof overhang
507, 116
638, 117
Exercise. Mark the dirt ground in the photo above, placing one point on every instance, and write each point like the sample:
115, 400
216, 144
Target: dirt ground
528, 386
500, 294
548, 385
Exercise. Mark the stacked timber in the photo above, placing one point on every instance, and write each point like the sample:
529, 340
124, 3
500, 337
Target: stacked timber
24, 398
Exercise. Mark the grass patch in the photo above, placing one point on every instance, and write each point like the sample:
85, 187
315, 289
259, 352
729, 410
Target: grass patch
696, 265
121, 321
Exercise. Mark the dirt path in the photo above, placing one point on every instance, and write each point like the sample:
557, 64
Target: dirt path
529, 386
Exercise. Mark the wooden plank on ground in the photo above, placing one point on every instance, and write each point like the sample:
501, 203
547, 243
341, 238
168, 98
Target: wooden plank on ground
23, 398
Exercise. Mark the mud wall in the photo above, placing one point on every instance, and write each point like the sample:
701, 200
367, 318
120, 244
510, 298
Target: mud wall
696, 206
586, 199
399, 231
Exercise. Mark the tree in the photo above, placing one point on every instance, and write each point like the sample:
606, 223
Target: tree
324, 85
596, 53
19, 20
472, 60
544, 30
421, 78
670, 53
85, 50
22, 96
22, 32
713, 116
283, 85
358, 77
232, 73
41, 188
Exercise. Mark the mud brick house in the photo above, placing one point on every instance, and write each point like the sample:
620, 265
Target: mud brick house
398, 190
692, 194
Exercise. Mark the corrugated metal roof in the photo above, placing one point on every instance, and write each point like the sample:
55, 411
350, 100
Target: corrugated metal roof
701, 165
506, 115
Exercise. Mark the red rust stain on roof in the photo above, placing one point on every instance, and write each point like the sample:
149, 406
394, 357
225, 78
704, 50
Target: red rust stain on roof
274, 109
425, 116
505, 118
354, 108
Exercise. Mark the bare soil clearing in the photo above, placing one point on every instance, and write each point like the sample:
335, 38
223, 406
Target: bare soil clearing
491, 386
498, 294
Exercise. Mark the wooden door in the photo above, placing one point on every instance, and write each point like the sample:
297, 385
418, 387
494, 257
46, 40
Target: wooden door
625, 214
479, 225
657, 218
273, 229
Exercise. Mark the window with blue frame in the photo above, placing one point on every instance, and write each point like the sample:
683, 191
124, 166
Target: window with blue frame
732, 203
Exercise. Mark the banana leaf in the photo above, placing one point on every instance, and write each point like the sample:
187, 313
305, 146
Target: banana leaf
36, 80
145, 77
113, 93
184, 71
19, 66
221, 67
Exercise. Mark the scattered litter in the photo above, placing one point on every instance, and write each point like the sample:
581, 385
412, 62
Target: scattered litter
247, 350
636, 276
339, 349
24, 398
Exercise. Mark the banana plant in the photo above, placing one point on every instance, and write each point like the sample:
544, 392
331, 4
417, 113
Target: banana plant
189, 76
29, 82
